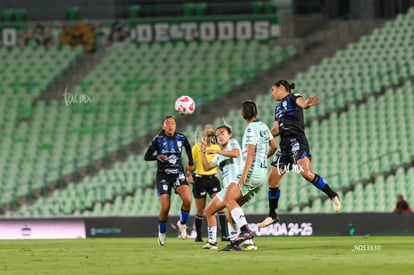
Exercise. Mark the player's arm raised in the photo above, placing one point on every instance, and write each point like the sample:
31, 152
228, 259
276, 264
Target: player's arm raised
206, 165
233, 153
309, 102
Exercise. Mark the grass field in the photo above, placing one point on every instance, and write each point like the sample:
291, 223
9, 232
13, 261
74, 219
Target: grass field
276, 255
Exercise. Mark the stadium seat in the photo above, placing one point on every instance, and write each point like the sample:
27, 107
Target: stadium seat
7, 15
20, 14
72, 13
133, 11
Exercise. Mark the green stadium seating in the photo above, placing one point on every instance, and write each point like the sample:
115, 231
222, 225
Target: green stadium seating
348, 147
188, 9
72, 13
20, 14
7, 15
133, 11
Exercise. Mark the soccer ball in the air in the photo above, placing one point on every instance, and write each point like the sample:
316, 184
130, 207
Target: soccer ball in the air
185, 105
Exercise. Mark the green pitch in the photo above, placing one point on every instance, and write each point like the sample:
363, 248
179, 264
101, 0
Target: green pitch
275, 255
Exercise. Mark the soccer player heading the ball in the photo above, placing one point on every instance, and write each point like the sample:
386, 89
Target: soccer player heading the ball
258, 144
168, 146
293, 147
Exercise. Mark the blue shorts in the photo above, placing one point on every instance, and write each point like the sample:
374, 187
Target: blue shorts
291, 149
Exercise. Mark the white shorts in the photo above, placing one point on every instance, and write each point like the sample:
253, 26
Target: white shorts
220, 195
250, 188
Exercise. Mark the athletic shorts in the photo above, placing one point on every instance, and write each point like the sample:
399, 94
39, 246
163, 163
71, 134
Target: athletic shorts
166, 183
220, 195
253, 184
204, 185
291, 149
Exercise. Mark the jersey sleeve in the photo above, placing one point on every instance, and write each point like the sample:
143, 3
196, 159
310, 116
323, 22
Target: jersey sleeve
297, 95
152, 147
188, 150
233, 144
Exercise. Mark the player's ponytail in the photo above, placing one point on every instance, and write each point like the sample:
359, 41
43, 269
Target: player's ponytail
288, 86
249, 109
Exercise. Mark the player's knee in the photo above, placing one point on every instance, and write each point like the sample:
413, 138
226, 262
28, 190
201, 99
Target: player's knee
207, 212
308, 175
227, 202
200, 212
186, 204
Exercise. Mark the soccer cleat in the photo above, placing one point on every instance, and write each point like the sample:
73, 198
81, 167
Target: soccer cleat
210, 246
182, 229
245, 235
161, 239
268, 221
198, 240
231, 247
336, 203
248, 247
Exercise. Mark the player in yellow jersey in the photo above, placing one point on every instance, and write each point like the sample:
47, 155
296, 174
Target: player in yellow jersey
205, 182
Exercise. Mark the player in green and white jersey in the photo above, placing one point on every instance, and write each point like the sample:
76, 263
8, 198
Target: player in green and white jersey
230, 162
258, 145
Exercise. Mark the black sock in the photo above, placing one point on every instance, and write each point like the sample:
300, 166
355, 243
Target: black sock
244, 228
223, 223
328, 191
273, 196
321, 184
198, 225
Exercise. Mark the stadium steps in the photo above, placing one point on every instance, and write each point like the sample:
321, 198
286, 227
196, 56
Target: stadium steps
71, 77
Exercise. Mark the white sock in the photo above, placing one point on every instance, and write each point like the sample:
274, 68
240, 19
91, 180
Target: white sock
233, 230
238, 216
212, 234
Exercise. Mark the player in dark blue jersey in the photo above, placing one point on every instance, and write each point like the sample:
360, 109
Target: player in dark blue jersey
168, 146
293, 147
